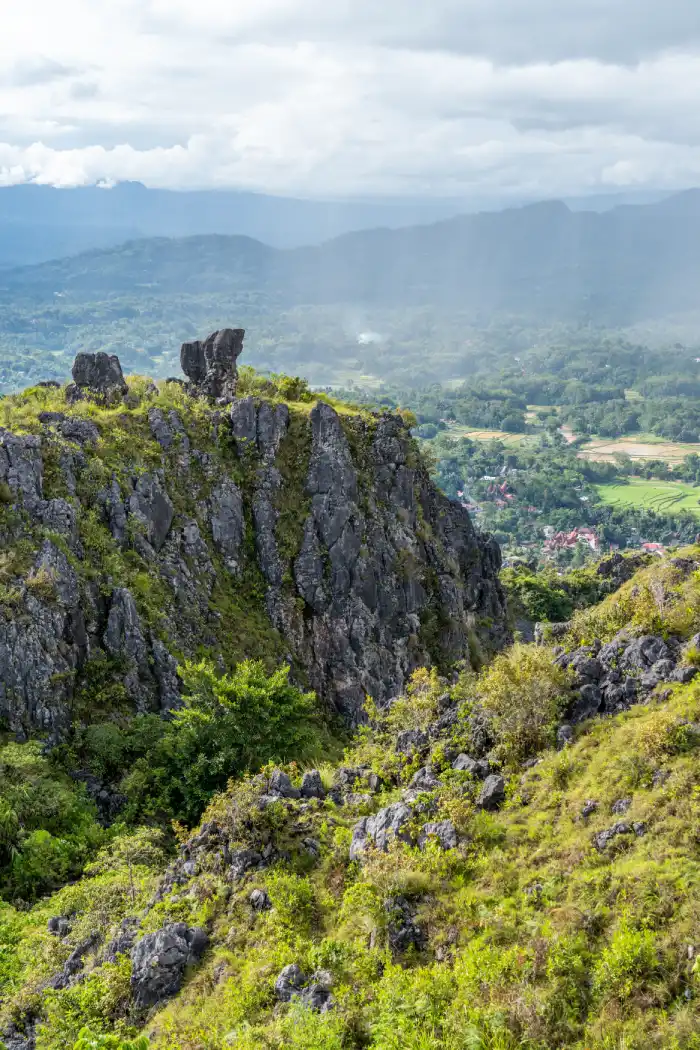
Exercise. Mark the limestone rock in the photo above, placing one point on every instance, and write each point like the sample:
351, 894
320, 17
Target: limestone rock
443, 830
312, 785
210, 365
227, 524
402, 930
21, 467
475, 766
380, 830
98, 376
159, 961
493, 793
151, 506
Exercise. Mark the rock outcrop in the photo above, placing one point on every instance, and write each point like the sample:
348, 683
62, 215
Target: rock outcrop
98, 376
611, 678
210, 365
159, 961
153, 534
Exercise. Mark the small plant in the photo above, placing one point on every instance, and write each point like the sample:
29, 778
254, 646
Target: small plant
627, 964
87, 1040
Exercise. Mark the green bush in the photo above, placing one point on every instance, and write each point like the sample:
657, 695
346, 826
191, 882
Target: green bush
48, 825
87, 1040
229, 724
523, 692
626, 965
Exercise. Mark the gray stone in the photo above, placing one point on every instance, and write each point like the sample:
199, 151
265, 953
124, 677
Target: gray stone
151, 506
98, 376
21, 467
124, 940
159, 961
317, 994
684, 675
312, 785
124, 638
272, 425
41, 650
588, 704
443, 830
210, 365
165, 671
227, 524
424, 780
589, 808
242, 861
477, 767
244, 424
587, 667
260, 901
411, 740
643, 653
403, 932
169, 433
289, 983
314, 992
620, 807
281, 785
492, 794
115, 511
75, 962
59, 926
565, 735
81, 431
22, 1038
380, 830
602, 839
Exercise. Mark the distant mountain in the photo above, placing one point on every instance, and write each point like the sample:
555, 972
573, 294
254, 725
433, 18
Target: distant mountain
38, 223
542, 262
41, 222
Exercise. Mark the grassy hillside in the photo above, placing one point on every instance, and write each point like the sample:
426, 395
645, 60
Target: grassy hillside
531, 933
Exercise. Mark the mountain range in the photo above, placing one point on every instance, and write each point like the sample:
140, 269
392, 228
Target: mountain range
43, 222
432, 300
543, 261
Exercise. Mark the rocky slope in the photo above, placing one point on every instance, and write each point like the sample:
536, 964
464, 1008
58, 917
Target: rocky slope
492, 865
140, 525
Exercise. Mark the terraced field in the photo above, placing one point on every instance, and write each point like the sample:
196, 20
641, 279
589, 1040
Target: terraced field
456, 430
637, 447
661, 496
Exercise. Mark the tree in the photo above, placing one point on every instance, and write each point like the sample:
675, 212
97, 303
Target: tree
229, 724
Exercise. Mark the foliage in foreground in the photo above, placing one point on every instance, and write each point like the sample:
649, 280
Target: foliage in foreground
533, 938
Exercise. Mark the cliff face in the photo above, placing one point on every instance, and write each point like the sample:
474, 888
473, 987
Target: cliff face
167, 526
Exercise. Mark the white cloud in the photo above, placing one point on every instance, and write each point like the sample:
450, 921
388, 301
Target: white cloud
332, 97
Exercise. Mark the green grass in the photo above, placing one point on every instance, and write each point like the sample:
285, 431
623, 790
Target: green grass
655, 495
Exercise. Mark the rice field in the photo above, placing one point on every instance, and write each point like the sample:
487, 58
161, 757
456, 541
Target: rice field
456, 430
662, 496
638, 447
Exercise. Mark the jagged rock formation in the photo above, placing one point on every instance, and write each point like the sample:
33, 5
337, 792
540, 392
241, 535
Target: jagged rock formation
210, 365
98, 376
269, 531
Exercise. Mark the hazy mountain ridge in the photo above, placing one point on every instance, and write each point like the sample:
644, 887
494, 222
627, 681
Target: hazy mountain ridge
542, 261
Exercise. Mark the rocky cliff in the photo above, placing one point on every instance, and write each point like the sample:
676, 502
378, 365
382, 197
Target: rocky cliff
142, 524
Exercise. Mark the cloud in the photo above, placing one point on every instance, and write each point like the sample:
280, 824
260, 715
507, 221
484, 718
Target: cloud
37, 70
459, 98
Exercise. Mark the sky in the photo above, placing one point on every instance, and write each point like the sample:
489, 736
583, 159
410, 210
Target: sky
353, 98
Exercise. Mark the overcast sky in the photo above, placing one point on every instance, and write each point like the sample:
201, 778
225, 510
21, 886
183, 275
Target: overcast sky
522, 98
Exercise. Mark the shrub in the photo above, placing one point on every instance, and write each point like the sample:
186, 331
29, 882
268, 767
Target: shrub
48, 826
523, 692
626, 965
87, 1040
229, 724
